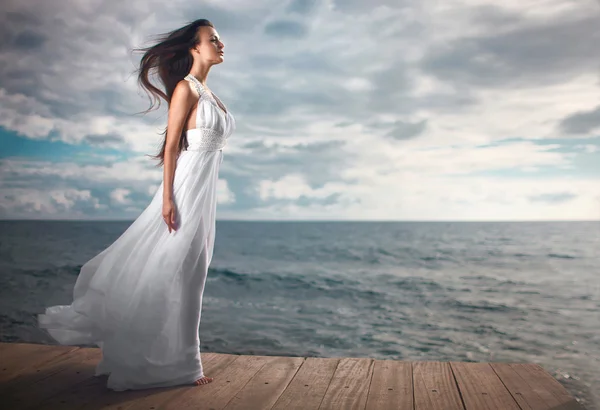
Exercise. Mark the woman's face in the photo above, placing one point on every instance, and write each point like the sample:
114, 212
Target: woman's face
210, 47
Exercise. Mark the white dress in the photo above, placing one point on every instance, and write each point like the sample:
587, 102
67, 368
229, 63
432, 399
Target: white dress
140, 299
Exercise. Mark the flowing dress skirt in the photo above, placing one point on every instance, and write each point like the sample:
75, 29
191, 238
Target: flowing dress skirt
140, 299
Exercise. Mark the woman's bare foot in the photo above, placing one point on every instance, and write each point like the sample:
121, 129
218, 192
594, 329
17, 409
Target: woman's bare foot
203, 380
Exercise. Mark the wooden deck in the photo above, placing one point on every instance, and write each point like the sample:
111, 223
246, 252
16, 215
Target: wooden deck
35, 376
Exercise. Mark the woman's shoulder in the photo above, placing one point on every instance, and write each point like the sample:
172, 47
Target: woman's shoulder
183, 93
183, 86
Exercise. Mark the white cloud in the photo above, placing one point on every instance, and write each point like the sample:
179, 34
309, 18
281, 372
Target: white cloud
418, 198
288, 187
41, 203
588, 148
135, 169
119, 196
224, 194
24, 115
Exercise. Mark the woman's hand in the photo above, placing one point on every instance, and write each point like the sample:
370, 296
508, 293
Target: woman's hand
169, 213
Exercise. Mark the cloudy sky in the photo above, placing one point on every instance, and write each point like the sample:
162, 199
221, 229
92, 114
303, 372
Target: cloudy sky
345, 109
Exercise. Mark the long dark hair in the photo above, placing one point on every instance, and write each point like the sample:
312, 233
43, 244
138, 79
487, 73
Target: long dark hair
170, 58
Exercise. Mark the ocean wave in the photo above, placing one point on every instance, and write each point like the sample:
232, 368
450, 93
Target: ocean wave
561, 256
279, 283
483, 305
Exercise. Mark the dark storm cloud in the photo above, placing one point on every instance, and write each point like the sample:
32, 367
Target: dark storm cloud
535, 53
28, 40
581, 122
389, 94
301, 6
284, 28
18, 32
406, 130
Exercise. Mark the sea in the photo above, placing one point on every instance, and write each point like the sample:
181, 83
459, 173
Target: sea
518, 292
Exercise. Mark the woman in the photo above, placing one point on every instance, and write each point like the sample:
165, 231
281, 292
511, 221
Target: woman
140, 299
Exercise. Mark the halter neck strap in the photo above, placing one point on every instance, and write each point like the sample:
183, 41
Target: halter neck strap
201, 90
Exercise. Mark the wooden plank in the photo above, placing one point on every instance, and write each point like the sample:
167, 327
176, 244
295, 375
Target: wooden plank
533, 388
216, 394
19, 356
23, 381
76, 395
70, 377
4, 346
13, 352
481, 388
308, 387
349, 385
434, 387
267, 385
92, 393
213, 364
391, 386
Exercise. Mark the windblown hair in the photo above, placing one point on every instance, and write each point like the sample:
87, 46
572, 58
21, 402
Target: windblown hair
170, 58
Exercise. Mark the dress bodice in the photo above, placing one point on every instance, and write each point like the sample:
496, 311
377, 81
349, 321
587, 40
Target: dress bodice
213, 125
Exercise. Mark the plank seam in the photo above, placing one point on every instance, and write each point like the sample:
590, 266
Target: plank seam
290, 382
506, 387
370, 382
250, 379
412, 380
329, 384
462, 400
